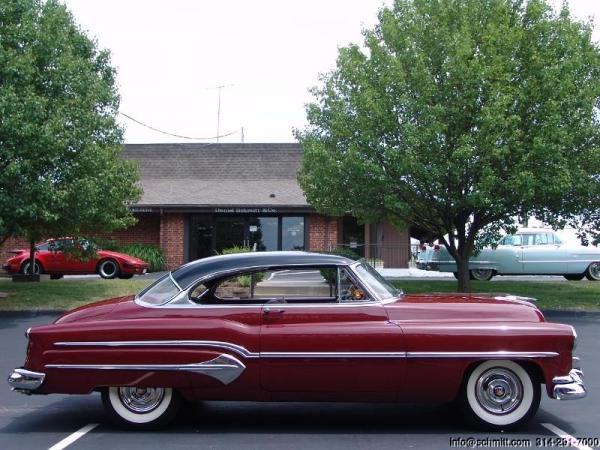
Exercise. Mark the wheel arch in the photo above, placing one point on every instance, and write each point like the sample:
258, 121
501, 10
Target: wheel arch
37, 261
108, 258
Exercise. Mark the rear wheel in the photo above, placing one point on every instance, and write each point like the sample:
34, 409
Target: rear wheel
142, 408
499, 395
592, 273
574, 276
26, 268
108, 269
482, 274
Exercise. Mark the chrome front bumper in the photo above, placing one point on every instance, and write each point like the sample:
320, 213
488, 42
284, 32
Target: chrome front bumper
25, 381
569, 387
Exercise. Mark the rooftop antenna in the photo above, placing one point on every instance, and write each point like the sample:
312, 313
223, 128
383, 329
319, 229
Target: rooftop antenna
219, 107
242, 135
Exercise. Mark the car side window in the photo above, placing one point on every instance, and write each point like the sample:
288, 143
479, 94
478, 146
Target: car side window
514, 240
238, 287
541, 239
295, 285
528, 239
348, 289
43, 247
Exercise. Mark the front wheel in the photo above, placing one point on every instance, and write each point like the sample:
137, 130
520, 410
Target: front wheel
108, 269
26, 268
499, 395
592, 273
141, 408
482, 274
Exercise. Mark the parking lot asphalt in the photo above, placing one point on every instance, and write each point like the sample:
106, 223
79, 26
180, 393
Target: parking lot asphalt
41, 422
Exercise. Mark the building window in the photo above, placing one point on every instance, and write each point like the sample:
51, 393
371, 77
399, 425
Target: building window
292, 233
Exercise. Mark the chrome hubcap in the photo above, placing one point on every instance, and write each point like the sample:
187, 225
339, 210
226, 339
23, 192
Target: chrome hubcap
481, 274
499, 391
595, 270
141, 400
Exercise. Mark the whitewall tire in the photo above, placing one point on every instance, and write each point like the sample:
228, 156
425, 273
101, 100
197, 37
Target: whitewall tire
482, 274
145, 408
592, 273
500, 395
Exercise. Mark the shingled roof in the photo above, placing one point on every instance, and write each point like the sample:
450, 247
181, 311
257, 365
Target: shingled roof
218, 174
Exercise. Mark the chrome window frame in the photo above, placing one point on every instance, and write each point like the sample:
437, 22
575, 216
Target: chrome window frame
182, 298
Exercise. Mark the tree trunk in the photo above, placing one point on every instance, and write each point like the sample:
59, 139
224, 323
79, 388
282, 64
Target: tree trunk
463, 275
32, 257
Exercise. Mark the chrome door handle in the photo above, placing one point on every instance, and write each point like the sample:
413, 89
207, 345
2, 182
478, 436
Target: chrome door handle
276, 310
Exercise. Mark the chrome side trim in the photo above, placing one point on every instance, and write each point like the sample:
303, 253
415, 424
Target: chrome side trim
492, 355
242, 351
175, 282
224, 368
238, 349
25, 381
333, 355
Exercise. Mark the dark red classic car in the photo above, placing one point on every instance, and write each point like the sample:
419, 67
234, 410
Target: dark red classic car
51, 259
294, 326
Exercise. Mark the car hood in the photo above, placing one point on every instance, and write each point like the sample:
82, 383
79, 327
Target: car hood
130, 259
463, 307
94, 311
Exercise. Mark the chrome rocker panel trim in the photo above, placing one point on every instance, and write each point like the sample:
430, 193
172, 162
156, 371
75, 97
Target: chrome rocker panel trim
224, 368
569, 387
25, 381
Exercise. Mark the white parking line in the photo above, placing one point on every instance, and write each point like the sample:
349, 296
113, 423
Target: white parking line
566, 436
73, 437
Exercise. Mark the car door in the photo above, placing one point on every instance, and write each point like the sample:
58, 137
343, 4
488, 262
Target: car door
328, 346
542, 256
224, 328
508, 255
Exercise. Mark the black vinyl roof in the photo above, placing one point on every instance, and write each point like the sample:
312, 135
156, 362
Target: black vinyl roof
215, 266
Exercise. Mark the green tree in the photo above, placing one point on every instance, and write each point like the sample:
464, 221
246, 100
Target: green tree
457, 116
60, 171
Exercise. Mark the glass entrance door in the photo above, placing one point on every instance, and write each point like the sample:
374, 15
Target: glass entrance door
210, 234
230, 232
263, 232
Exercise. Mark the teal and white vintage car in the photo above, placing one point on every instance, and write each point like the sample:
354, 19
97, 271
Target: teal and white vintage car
528, 252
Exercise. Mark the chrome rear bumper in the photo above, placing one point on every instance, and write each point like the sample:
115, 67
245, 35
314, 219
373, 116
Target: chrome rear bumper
569, 387
25, 381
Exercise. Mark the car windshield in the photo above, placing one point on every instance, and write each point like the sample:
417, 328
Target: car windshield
376, 282
160, 292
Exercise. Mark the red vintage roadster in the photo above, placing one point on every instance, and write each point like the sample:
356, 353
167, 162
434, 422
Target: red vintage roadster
294, 326
51, 259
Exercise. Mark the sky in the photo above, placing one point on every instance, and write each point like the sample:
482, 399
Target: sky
172, 55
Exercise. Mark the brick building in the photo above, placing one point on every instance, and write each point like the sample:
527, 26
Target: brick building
199, 199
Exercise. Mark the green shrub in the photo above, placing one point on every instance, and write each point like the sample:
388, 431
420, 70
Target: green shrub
235, 249
152, 254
